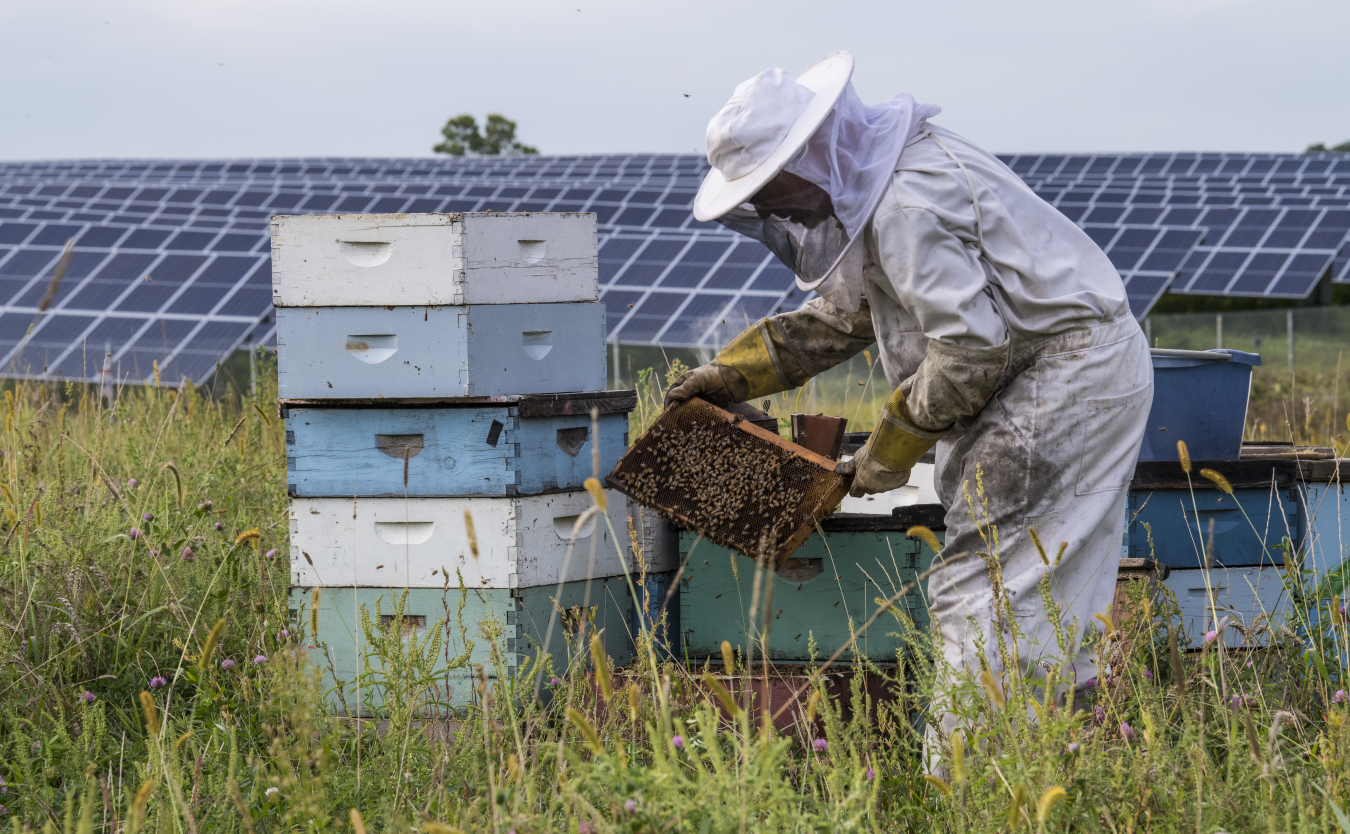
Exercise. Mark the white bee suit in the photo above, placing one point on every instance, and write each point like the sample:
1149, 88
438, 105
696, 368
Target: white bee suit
996, 313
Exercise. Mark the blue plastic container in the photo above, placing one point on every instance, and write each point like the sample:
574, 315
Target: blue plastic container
1199, 396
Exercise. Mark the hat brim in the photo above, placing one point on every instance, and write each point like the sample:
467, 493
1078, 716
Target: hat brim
827, 78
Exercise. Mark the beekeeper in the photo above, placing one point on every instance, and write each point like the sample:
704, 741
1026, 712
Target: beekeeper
1003, 329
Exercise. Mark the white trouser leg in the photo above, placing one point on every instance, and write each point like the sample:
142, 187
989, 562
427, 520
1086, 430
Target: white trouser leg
1055, 449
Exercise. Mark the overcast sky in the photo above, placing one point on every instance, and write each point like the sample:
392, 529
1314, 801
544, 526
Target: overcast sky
242, 78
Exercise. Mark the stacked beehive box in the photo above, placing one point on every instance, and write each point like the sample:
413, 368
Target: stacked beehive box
437, 371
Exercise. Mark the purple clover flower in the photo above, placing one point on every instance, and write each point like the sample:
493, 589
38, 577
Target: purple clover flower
271, 554
553, 681
262, 658
157, 681
188, 555
133, 534
630, 805
1127, 732
148, 516
584, 827
1148, 673
1339, 697
227, 664
1090, 684
284, 634
132, 482
88, 697
871, 774
677, 742
820, 745
219, 526
1073, 747
1211, 636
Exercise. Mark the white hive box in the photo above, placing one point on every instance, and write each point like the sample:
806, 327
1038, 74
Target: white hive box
422, 542
372, 260
485, 350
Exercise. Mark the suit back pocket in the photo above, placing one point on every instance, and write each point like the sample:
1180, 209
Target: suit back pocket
1112, 430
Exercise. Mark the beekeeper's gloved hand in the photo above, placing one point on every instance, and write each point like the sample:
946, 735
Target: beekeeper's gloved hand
743, 369
870, 475
714, 382
895, 446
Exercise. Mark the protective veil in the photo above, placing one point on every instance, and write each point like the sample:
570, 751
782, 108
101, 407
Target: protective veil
851, 156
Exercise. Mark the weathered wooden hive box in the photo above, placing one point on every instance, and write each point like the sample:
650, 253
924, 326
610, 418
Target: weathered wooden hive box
438, 371
422, 542
419, 260
1285, 503
828, 586
496, 350
506, 449
517, 619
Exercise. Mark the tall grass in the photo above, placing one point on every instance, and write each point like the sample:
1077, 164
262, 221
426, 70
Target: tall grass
155, 682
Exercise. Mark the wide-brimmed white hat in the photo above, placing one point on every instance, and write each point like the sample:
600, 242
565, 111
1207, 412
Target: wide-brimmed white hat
768, 119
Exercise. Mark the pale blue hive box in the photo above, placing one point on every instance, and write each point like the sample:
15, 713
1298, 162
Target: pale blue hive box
486, 450
493, 350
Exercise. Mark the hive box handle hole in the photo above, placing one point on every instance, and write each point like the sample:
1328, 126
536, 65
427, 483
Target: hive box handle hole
398, 446
404, 532
494, 433
571, 440
372, 349
801, 570
531, 251
412, 623
563, 524
537, 343
365, 252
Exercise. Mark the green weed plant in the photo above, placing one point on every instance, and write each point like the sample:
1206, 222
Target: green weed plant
153, 677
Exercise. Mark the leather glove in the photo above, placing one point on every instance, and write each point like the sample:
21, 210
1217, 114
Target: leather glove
713, 382
743, 369
895, 446
870, 475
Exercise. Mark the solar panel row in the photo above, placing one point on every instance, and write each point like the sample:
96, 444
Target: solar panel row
170, 258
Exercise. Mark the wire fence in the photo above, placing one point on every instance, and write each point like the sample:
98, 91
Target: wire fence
1304, 373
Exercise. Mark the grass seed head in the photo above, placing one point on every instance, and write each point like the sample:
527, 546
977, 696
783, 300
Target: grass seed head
1185, 456
212, 638
929, 537
469, 532
136, 816
601, 663
151, 713
1052, 797
1219, 480
597, 493
992, 689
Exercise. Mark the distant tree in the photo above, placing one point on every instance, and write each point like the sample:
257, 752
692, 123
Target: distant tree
1343, 147
497, 138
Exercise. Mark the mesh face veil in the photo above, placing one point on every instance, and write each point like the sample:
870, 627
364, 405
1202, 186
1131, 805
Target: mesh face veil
851, 156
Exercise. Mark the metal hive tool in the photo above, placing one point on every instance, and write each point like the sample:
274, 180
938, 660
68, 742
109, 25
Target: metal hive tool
729, 480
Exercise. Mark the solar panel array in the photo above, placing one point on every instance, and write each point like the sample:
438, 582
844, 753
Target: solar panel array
170, 260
